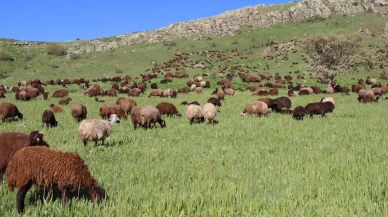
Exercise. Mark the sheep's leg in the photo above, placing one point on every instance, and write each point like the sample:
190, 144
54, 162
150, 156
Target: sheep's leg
20, 196
85, 142
65, 195
2, 171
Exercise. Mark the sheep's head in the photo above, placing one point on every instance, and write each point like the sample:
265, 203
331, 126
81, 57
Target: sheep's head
113, 119
162, 123
97, 194
36, 139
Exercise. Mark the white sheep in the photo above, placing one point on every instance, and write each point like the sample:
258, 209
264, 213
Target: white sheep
209, 112
194, 112
96, 129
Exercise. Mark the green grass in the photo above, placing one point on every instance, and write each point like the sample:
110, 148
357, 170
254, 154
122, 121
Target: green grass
245, 166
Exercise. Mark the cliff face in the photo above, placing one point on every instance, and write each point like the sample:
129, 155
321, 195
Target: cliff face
249, 17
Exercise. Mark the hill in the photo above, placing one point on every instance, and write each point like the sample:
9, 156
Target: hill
247, 29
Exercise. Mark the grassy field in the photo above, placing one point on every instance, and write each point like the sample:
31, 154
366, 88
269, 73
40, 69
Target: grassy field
242, 166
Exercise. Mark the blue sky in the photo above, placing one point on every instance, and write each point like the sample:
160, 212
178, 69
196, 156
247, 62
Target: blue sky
64, 20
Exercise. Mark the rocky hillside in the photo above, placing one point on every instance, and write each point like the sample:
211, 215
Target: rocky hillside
227, 23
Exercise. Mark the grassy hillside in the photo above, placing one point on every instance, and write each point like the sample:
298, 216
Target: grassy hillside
33, 63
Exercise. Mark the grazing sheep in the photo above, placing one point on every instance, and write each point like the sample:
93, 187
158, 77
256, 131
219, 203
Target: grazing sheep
168, 109
55, 109
220, 95
48, 118
46, 167
281, 103
298, 113
134, 92
214, 101
126, 103
255, 108
194, 112
10, 142
319, 108
112, 92
156, 92
169, 93
303, 92
328, 99
9, 110
229, 91
60, 93
79, 112
209, 112
273, 92
135, 116
96, 129
198, 90
108, 109
183, 90
150, 115
64, 101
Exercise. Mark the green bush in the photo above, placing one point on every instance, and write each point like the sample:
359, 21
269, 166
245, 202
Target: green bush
6, 56
56, 49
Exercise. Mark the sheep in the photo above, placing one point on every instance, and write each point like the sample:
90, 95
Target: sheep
150, 115
10, 142
209, 112
60, 93
108, 109
96, 129
55, 109
168, 109
229, 91
281, 103
328, 99
319, 108
183, 90
9, 110
46, 167
135, 116
220, 94
194, 112
156, 92
48, 118
214, 101
273, 92
126, 103
169, 93
64, 101
303, 92
255, 108
79, 112
298, 113
112, 92
45, 95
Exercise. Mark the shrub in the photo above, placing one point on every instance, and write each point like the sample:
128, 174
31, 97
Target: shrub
118, 70
75, 56
336, 54
56, 49
6, 56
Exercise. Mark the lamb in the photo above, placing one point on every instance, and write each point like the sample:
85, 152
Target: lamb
9, 110
126, 103
55, 109
96, 129
135, 116
328, 99
298, 113
194, 112
79, 112
47, 167
209, 112
255, 108
48, 118
108, 109
168, 109
10, 142
64, 101
150, 115
60, 93
214, 101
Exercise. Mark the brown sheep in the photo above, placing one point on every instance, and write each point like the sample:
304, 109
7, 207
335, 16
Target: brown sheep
126, 103
47, 167
168, 109
255, 108
64, 101
183, 90
48, 118
281, 103
319, 108
112, 92
108, 109
135, 116
55, 109
298, 113
60, 93
156, 92
79, 112
45, 95
273, 92
304, 92
229, 91
10, 142
220, 95
214, 101
134, 92
9, 110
